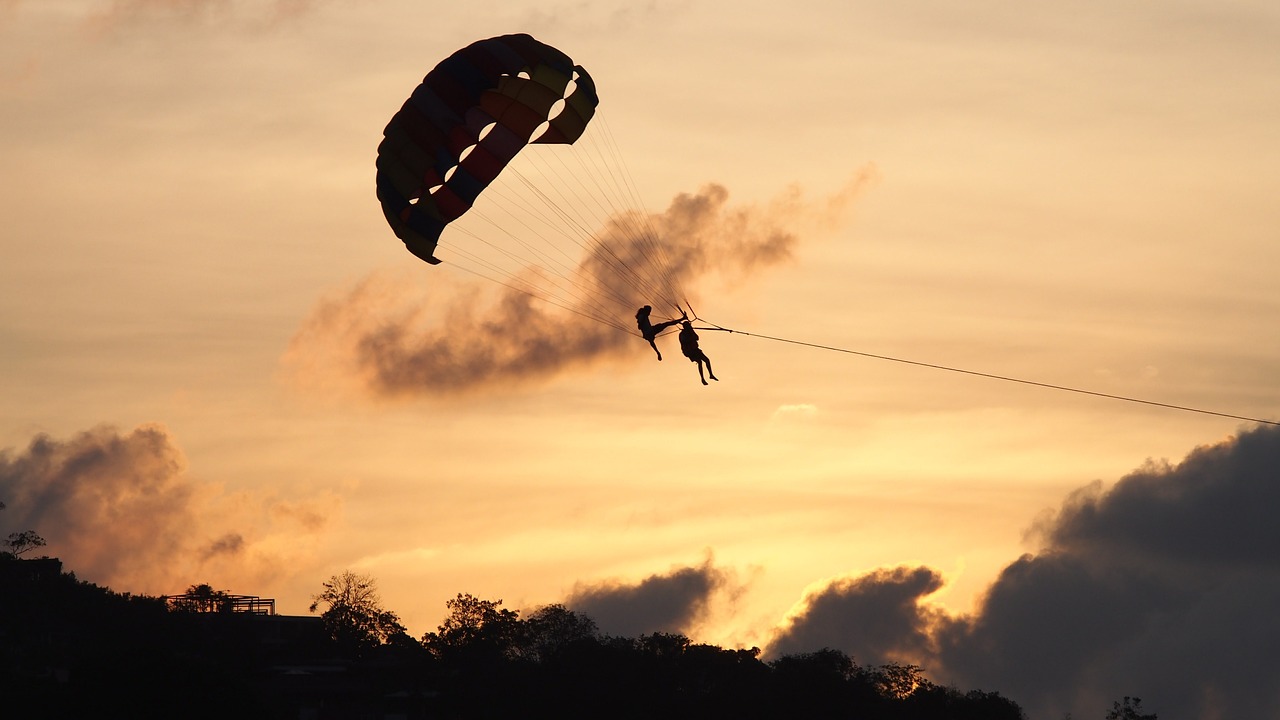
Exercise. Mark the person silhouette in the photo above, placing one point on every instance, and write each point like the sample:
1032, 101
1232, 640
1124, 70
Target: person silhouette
649, 331
689, 346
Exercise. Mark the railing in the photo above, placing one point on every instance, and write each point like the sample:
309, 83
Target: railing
222, 602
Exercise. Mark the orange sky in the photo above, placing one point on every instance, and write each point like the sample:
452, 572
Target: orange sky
1080, 198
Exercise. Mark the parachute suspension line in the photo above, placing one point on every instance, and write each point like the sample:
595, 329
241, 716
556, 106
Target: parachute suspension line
648, 273
563, 291
616, 159
525, 285
532, 237
564, 224
516, 199
561, 270
622, 219
1004, 378
638, 280
531, 214
597, 298
610, 177
566, 291
572, 212
598, 293
497, 275
537, 253
565, 218
647, 233
623, 271
569, 308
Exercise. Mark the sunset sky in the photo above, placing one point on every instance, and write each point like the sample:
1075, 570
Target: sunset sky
1078, 194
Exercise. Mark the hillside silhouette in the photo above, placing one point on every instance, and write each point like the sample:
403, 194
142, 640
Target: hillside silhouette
73, 649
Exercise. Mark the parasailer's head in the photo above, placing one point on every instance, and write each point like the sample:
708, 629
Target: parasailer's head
643, 312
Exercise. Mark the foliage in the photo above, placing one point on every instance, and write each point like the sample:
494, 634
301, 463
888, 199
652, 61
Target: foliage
553, 630
476, 626
1129, 709
79, 650
898, 681
354, 616
201, 599
72, 649
22, 542
19, 543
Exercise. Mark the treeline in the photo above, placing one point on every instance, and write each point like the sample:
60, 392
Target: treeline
556, 663
74, 649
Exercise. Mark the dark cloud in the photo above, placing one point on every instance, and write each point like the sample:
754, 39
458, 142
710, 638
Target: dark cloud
120, 509
1217, 507
112, 505
1164, 587
311, 515
517, 340
675, 602
229, 544
395, 342
880, 614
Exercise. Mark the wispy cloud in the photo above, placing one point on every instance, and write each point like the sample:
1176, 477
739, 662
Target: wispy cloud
118, 15
397, 341
795, 412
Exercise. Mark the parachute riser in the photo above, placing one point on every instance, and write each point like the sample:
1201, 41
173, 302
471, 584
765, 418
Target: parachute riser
713, 327
688, 311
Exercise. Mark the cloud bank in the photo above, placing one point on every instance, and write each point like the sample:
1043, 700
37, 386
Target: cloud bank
1163, 587
394, 340
880, 614
120, 509
674, 603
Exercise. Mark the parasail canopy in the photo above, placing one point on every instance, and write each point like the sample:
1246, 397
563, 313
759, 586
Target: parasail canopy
467, 120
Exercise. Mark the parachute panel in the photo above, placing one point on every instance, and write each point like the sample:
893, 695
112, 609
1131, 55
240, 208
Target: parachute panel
579, 108
512, 80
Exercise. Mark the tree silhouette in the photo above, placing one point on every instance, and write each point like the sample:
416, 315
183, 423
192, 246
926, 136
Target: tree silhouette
20, 542
1130, 709
202, 599
78, 650
476, 628
898, 681
25, 541
551, 630
354, 616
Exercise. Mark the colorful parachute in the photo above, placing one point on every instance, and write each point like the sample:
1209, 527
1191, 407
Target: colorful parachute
466, 121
